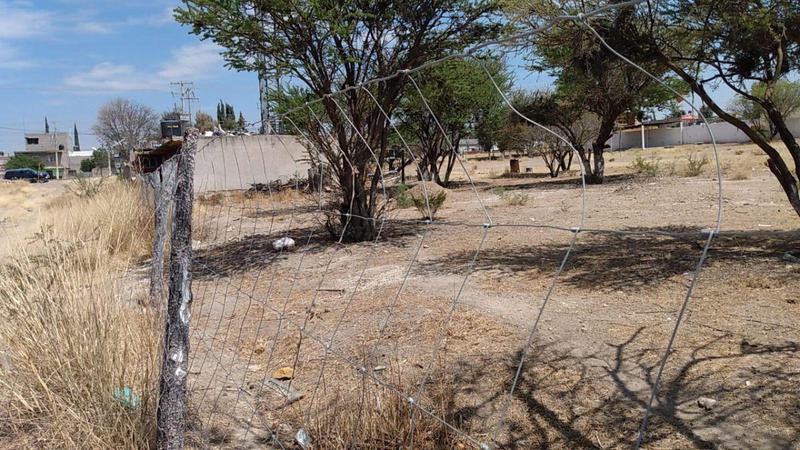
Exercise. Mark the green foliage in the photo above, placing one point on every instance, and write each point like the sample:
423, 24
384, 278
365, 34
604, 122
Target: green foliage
226, 117
465, 103
87, 165
434, 202
22, 161
783, 94
323, 46
401, 196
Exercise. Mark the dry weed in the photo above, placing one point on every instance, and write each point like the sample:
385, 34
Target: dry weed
71, 335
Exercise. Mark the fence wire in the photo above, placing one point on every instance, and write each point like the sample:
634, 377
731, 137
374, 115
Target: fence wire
259, 303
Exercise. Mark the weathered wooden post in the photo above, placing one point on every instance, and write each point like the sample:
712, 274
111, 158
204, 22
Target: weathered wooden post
174, 366
163, 183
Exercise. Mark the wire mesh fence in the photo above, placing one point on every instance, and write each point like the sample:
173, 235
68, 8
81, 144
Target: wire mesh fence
300, 338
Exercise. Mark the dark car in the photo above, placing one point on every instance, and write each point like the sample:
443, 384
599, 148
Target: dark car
34, 176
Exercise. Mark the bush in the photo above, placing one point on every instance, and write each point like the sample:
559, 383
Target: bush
435, 194
651, 167
87, 165
694, 166
515, 199
85, 187
20, 161
401, 197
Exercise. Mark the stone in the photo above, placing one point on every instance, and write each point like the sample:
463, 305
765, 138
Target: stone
284, 373
706, 403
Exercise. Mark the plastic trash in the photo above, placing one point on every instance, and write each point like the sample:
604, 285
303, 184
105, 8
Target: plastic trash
127, 398
303, 439
284, 243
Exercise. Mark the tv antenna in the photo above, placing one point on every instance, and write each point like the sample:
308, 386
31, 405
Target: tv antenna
187, 96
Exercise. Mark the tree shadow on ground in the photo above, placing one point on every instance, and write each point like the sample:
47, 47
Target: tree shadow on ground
628, 261
598, 400
547, 183
255, 251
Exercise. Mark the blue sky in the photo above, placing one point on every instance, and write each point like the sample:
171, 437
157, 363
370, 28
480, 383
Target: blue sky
64, 58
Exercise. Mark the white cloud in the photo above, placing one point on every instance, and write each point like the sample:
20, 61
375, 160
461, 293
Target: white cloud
17, 23
109, 77
191, 62
10, 58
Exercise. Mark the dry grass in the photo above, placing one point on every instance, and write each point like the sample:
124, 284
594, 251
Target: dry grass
70, 332
376, 417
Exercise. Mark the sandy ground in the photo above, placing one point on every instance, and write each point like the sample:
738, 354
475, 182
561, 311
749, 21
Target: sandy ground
413, 302
21, 204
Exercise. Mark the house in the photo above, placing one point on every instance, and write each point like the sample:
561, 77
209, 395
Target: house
3, 161
58, 152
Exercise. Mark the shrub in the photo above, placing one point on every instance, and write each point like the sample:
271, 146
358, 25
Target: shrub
427, 197
429, 208
86, 187
516, 199
401, 196
695, 165
651, 167
20, 161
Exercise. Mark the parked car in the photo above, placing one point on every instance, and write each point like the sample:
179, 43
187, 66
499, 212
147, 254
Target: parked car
34, 176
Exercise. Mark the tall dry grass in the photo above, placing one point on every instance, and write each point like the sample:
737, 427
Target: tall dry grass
70, 332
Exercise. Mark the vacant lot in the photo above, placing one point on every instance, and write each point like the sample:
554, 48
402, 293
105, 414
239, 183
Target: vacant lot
442, 313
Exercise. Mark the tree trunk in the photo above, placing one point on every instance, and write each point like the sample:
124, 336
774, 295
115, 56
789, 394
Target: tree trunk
775, 163
597, 176
171, 415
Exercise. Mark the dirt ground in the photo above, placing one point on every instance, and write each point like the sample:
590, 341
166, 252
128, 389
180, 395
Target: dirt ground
410, 316
368, 326
21, 204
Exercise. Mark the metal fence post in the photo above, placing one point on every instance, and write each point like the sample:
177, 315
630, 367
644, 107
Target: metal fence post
174, 366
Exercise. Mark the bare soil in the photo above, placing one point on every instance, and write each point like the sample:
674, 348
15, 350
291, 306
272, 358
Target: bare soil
418, 316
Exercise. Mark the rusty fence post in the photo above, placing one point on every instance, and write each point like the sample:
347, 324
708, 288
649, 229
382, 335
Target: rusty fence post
172, 409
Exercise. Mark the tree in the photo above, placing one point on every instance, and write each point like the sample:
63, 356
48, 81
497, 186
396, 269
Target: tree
562, 116
240, 123
87, 165
125, 124
734, 42
326, 46
588, 75
226, 117
463, 102
20, 161
204, 122
785, 96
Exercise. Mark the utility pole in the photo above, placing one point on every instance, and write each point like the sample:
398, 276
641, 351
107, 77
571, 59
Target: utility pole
187, 96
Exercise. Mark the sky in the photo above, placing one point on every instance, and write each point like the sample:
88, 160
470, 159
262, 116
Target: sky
64, 58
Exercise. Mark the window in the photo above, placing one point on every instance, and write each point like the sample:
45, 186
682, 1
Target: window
32, 141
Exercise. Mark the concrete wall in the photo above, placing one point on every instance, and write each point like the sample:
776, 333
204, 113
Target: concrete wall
724, 133
236, 162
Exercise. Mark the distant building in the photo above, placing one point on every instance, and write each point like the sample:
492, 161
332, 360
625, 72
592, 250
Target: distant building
59, 154
3, 160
